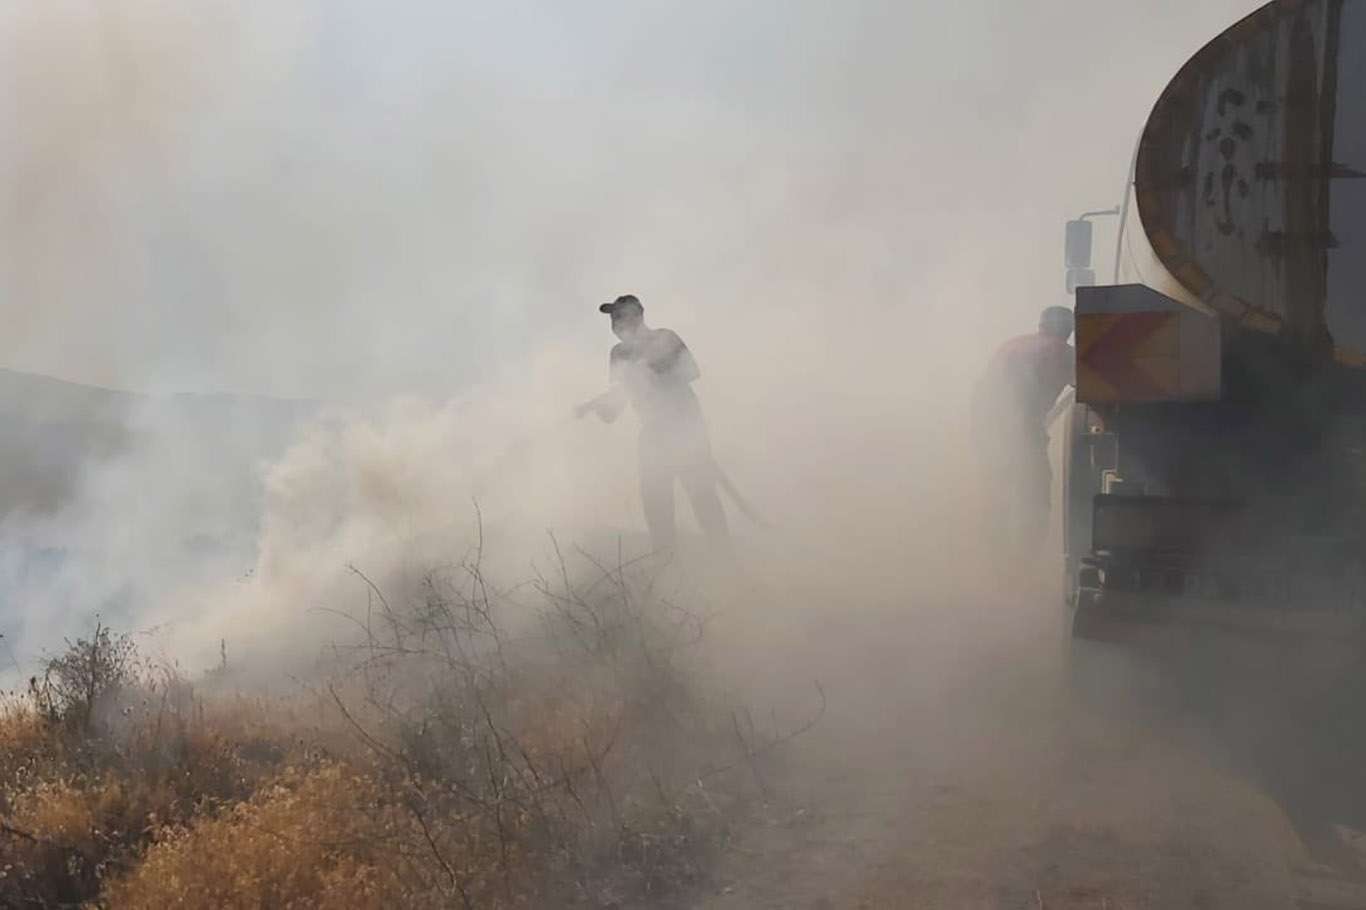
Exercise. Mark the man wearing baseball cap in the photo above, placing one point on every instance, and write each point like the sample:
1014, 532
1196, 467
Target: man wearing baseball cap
653, 371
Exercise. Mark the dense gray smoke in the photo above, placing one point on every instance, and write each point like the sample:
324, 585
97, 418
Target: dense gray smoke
396, 224
335, 200
841, 214
320, 281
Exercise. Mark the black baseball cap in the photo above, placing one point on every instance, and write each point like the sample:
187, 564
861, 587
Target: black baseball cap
624, 302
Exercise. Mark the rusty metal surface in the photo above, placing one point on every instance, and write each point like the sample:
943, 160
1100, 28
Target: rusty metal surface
1248, 174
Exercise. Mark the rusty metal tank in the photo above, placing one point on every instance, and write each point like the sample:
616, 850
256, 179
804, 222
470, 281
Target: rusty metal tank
1249, 176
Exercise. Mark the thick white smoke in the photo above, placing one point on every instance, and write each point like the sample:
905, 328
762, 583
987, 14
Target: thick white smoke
841, 211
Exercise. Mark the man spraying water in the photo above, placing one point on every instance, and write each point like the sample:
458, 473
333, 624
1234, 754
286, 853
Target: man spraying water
653, 371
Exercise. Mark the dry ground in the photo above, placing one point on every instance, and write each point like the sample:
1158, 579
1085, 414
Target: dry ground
956, 768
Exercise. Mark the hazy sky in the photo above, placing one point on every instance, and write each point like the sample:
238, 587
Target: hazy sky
339, 198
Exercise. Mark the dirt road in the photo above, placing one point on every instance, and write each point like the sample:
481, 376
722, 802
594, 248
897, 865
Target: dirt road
957, 768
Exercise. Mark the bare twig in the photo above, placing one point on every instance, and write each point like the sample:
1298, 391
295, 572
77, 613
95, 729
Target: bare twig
604, 787
30, 837
748, 754
780, 740
364, 734
456, 882
12, 831
389, 614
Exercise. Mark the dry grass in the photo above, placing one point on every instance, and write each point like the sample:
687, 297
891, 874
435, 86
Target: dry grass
443, 763
314, 838
79, 803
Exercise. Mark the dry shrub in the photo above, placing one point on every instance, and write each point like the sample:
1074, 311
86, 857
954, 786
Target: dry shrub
579, 762
76, 684
80, 800
333, 836
313, 839
27, 748
211, 750
572, 754
72, 831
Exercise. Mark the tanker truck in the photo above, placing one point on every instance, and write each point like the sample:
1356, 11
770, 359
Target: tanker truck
1213, 481
1214, 463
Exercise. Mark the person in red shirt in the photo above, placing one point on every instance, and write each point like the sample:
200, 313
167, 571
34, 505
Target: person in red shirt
653, 371
1014, 403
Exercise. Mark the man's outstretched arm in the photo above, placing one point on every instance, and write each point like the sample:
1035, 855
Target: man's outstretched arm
608, 406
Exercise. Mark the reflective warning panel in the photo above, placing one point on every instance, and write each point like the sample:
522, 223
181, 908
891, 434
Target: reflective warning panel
1251, 174
1135, 345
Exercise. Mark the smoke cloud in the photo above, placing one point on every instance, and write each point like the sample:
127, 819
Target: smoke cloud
370, 239
400, 221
